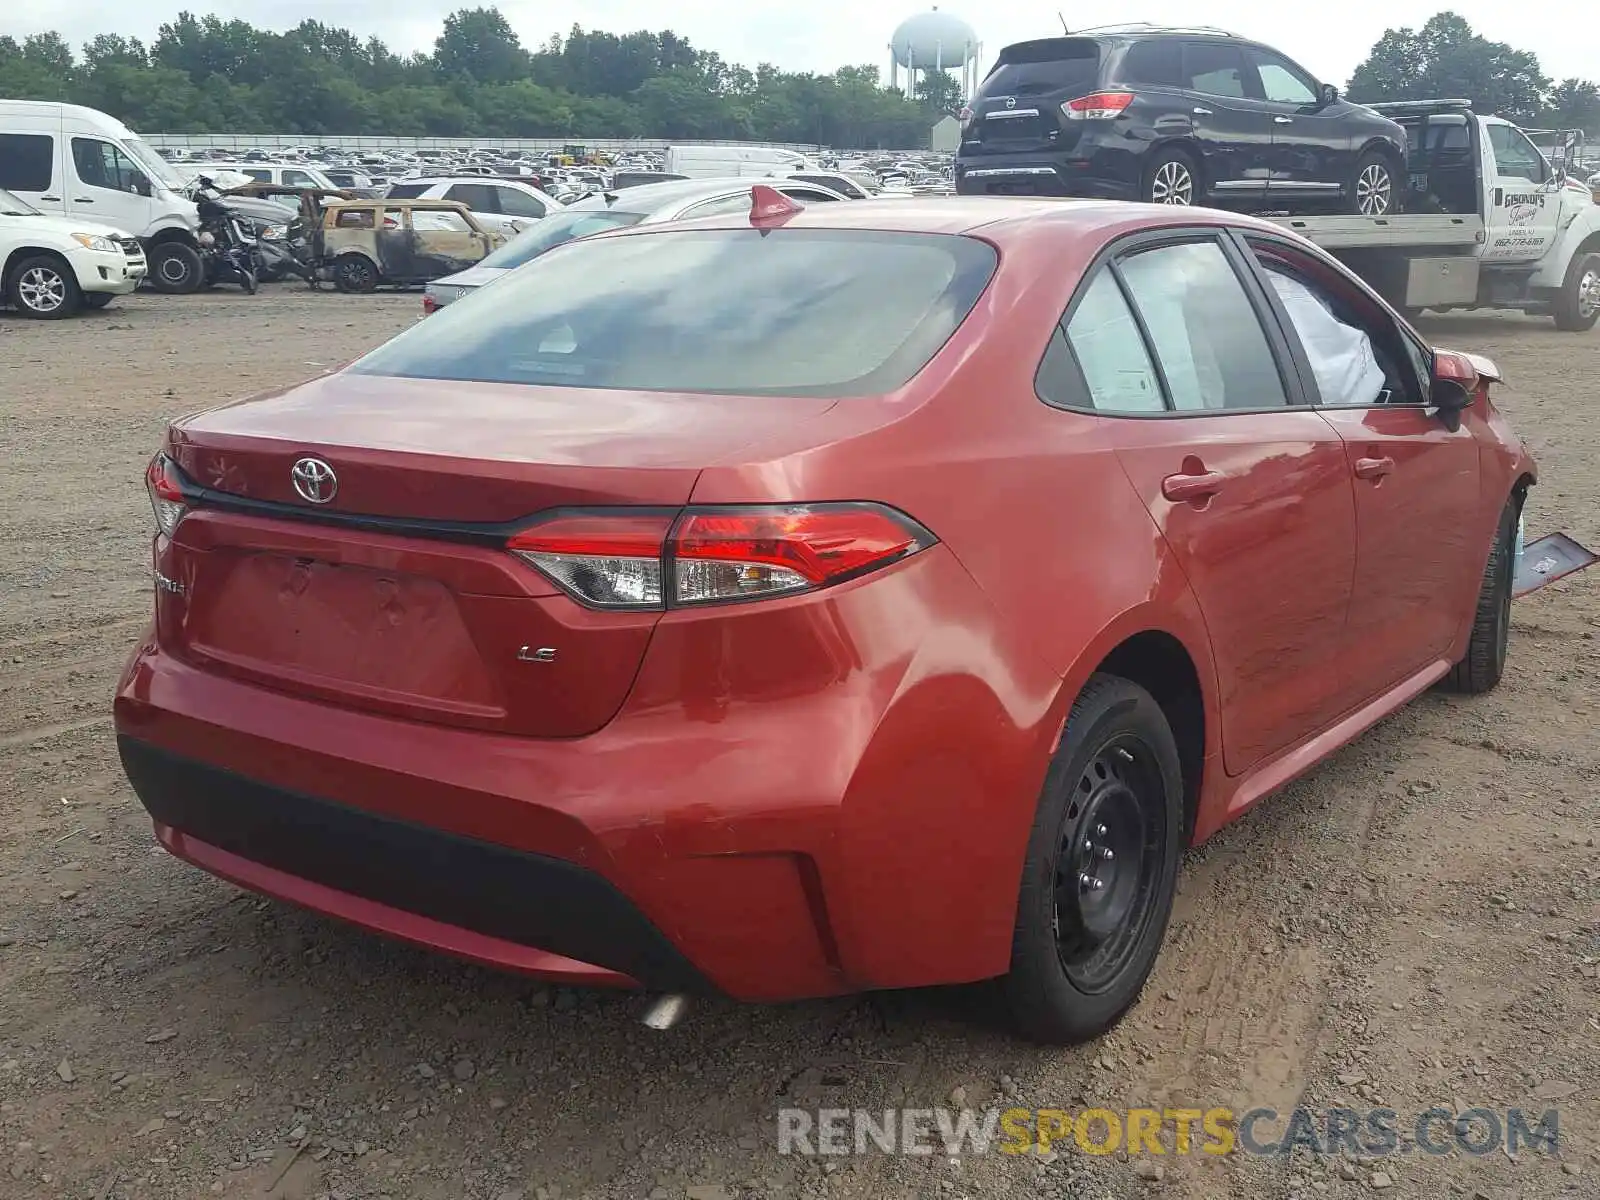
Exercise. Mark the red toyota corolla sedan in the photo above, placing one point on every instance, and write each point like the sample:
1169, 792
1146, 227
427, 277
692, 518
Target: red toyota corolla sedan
805, 601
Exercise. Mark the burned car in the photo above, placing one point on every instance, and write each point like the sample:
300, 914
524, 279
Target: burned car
364, 243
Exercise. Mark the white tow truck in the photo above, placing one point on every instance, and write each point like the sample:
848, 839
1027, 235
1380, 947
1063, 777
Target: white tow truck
1488, 222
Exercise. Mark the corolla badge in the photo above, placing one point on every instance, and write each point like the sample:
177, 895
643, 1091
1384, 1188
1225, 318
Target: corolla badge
314, 480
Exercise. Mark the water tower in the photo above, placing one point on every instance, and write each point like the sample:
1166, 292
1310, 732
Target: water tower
934, 41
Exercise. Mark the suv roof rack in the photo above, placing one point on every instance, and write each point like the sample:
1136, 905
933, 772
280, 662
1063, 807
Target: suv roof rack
1152, 27
1404, 106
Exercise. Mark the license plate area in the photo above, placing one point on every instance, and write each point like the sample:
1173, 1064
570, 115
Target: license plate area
351, 633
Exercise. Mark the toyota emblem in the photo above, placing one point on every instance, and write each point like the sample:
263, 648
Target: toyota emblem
314, 480
1011, 101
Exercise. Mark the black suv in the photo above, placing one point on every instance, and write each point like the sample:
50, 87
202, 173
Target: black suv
1174, 116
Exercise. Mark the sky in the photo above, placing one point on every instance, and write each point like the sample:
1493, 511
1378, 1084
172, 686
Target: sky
820, 35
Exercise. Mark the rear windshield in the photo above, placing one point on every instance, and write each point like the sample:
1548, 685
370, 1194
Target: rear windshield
1051, 65
804, 312
407, 191
555, 231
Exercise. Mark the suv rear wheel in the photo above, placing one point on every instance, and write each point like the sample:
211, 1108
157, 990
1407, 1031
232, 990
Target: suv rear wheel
1170, 178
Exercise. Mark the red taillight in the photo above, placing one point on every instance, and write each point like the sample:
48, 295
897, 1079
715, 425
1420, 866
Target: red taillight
429, 305
626, 560
165, 486
1099, 106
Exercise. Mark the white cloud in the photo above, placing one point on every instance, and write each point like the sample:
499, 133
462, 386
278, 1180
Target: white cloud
819, 35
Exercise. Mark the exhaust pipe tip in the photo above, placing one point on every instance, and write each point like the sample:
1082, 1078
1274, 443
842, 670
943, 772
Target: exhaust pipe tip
667, 1011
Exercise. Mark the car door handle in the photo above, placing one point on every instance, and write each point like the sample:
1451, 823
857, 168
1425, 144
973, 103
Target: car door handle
1192, 487
81, 200
1373, 468
1201, 112
52, 199
1283, 120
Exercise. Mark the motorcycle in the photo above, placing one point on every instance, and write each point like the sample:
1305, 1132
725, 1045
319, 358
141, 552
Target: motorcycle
227, 249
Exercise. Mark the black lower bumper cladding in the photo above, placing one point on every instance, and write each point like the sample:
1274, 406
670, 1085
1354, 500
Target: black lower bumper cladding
529, 899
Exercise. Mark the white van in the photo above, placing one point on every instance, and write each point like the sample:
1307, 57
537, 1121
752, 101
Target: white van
75, 161
717, 162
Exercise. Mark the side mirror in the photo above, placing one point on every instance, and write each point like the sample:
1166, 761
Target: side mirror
1327, 95
1454, 386
141, 183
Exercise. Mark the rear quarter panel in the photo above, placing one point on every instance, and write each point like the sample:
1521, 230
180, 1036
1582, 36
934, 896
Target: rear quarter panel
1033, 505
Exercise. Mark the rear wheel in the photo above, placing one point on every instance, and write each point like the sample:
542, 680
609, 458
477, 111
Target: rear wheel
1577, 304
43, 287
355, 273
1372, 191
1170, 178
1101, 866
1484, 663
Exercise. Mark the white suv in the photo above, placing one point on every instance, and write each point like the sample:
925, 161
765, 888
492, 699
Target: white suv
50, 267
503, 206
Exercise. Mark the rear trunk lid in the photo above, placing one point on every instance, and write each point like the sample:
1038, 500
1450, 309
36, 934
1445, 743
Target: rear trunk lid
1018, 107
395, 594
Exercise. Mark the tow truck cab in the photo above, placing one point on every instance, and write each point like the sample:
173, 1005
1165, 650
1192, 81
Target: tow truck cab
1489, 221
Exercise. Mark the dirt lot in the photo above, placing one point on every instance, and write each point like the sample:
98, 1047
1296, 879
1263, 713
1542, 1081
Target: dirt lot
1416, 923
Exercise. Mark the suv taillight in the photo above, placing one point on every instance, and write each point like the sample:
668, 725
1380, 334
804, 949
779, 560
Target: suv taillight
966, 116
711, 555
1099, 106
430, 305
165, 486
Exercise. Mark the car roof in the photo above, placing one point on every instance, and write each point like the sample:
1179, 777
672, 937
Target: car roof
1009, 222
674, 193
403, 202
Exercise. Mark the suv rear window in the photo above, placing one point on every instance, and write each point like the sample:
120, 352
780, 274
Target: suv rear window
804, 312
1050, 65
407, 191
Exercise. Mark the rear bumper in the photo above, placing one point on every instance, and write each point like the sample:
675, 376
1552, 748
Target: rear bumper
464, 896
1089, 171
809, 802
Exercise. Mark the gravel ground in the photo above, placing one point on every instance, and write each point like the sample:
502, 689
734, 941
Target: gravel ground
1415, 923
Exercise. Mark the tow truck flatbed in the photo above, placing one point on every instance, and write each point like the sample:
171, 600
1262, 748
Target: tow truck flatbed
1403, 230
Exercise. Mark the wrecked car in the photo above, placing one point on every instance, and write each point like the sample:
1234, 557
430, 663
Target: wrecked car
362, 244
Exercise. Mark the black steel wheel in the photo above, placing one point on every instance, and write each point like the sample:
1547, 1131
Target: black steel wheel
1482, 666
1101, 867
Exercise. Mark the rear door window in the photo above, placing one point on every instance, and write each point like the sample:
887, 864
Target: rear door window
1214, 69
479, 197
1070, 65
407, 191
299, 179
1110, 350
1153, 63
803, 312
27, 161
1206, 333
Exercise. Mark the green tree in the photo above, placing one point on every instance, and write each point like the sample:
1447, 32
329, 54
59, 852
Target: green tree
1445, 58
939, 92
1574, 104
480, 43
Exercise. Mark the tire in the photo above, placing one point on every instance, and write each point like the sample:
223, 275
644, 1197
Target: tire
1171, 177
1577, 304
97, 299
355, 274
1484, 663
1089, 924
1371, 191
44, 288
175, 269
